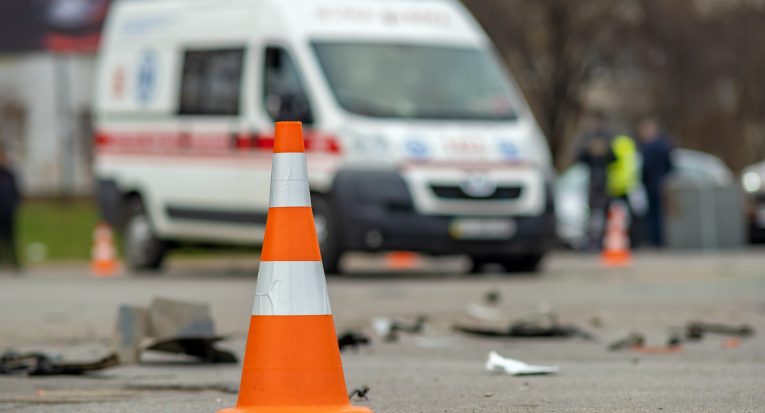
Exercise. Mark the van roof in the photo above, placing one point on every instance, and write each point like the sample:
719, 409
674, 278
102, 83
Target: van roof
442, 21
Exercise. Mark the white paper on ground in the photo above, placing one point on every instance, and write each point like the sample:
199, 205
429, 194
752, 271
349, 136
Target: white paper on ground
382, 325
499, 364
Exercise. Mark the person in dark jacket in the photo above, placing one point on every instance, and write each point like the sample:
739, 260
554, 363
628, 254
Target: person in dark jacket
594, 151
656, 151
9, 201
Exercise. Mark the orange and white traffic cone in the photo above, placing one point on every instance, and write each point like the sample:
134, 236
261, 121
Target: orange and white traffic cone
103, 262
616, 243
292, 359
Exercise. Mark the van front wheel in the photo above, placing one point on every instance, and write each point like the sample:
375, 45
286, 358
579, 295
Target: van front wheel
143, 251
327, 233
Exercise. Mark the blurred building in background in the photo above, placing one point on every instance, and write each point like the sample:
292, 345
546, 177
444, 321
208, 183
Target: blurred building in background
47, 67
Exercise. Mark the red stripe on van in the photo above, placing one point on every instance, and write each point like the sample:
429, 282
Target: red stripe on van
313, 141
210, 142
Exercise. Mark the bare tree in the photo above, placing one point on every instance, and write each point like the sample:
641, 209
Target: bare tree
698, 62
553, 47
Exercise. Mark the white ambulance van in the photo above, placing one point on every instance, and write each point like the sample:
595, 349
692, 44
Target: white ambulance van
416, 136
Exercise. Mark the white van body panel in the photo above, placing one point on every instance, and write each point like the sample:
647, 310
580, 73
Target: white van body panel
176, 162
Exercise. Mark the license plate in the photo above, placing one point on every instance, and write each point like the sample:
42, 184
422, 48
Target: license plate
481, 228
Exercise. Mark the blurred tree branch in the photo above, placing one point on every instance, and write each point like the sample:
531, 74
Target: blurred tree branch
698, 65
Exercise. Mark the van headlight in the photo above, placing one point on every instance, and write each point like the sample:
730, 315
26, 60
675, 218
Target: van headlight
751, 181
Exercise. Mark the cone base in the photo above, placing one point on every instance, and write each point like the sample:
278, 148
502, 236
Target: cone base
298, 409
616, 259
104, 269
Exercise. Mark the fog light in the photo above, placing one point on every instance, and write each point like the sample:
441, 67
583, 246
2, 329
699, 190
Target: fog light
374, 238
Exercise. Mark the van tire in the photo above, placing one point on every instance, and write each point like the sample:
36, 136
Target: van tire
513, 264
142, 250
328, 234
526, 263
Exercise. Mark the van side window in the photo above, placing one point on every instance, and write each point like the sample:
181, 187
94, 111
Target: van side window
211, 82
283, 94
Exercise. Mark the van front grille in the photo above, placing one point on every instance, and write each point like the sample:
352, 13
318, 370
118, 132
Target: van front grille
454, 192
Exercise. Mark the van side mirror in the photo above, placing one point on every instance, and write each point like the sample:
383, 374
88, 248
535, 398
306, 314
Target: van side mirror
289, 106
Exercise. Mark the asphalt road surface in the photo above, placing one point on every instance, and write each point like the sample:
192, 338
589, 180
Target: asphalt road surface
62, 309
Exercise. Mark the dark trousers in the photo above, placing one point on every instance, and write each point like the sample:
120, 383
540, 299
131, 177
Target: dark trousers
655, 218
8, 253
598, 204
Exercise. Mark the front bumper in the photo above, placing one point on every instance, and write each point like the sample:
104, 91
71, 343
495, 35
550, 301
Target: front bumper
376, 213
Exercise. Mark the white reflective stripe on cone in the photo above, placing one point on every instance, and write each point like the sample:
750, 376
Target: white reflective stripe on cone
289, 181
291, 288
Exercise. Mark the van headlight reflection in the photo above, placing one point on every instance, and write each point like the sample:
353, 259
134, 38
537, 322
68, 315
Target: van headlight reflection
751, 182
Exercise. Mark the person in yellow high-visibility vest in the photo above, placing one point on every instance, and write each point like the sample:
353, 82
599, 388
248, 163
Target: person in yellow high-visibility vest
623, 173
622, 177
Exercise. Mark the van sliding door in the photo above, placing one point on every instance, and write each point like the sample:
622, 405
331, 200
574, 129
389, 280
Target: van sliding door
210, 195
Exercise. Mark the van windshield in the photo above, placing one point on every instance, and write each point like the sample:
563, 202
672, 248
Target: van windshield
416, 81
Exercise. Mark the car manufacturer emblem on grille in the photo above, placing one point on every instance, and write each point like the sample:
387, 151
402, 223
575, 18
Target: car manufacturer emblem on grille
478, 186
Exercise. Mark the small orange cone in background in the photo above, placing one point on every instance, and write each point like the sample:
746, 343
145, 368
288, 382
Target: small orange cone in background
616, 243
103, 262
401, 260
292, 359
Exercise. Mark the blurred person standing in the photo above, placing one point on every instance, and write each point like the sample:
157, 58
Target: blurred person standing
594, 151
9, 201
656, 151
622, 178
622, 174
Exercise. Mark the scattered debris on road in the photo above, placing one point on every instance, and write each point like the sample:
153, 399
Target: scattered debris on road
359, 393
525, 329
636, 342
696, 330
693, 331
634, 339
389, 328
489, 320
41, 364
352, 339
499, 364
168, 326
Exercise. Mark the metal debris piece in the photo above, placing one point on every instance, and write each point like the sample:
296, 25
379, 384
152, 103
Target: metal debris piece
521, 329
352, 339
168, 326
131, 330
389, 328
697, 329
634, 339
674, 340
499, 364
201, 347
636, 342
492, 321
359, 393
41, 364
